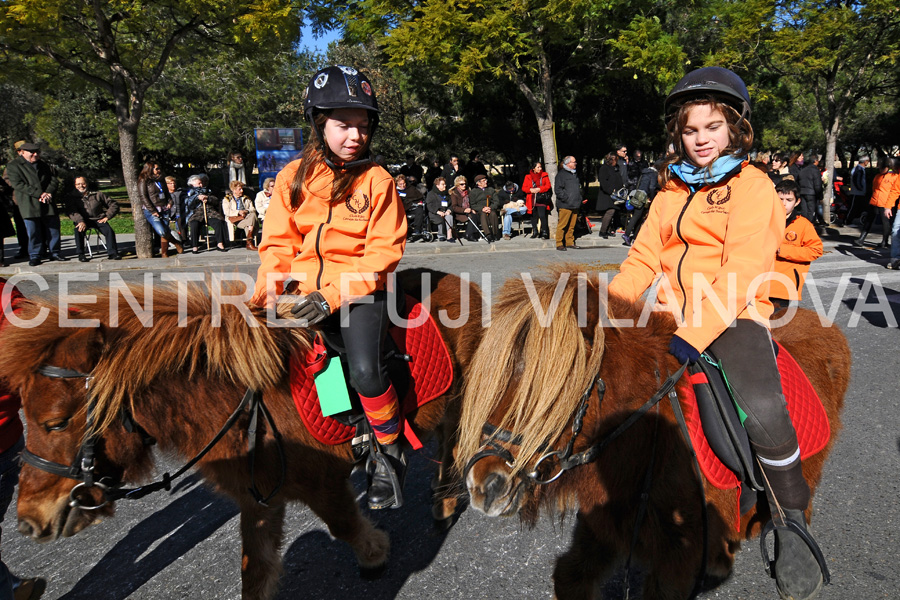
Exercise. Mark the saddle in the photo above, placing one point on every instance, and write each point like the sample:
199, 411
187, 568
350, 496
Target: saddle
419, 366
720, 440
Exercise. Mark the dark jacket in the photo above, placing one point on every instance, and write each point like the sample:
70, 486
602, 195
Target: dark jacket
610, 180
810, 181
437, 201
458, 206
152, 195
858, 181
90, 206
479, 198
29, 182
195, 208
504, 197
568, 190
410, 196
649, 182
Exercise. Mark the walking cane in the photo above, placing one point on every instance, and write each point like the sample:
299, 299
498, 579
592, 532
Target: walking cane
449, 219
206, 225
484, 237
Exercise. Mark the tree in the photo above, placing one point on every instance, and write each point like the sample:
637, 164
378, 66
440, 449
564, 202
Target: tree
123, 48
534, 45
842, 52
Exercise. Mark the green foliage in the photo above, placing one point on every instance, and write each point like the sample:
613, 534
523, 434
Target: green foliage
80, 126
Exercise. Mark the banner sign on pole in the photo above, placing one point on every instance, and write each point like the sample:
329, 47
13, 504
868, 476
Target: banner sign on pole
275, 148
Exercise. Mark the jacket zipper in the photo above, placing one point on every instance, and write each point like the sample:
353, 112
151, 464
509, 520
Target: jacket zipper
683, 255
319, 249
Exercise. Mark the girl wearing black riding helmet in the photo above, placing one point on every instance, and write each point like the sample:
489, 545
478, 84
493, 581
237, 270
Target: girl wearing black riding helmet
712, 233
336, 226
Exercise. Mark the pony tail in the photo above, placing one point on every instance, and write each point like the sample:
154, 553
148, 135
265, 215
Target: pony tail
541, 395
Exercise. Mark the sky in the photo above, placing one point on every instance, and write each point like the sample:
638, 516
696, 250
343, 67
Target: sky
320, 44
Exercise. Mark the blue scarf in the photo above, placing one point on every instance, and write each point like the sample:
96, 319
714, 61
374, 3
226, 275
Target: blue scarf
697, 177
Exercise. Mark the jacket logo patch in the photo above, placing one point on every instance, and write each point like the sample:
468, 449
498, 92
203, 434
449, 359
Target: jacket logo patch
716, 199
358, 204
790, 236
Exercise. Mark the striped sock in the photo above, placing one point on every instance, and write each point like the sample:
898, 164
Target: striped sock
383, 413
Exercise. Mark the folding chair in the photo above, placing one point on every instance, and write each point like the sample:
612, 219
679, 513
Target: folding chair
99, 239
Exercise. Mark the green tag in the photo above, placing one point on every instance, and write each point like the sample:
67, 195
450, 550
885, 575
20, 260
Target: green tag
332, 389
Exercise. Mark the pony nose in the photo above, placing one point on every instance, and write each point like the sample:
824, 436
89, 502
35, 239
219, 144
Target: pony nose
27, 528
494, 488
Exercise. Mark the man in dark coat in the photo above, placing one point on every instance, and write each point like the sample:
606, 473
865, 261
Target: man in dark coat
34, 185
610, 180
451, 171
810, 188
568, 201
92, 210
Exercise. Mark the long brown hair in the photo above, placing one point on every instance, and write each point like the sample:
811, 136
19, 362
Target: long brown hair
147, 171
740, 133
314, 153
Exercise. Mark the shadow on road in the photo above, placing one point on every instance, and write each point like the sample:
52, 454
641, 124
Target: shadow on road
155, 543
880, 307
317, 566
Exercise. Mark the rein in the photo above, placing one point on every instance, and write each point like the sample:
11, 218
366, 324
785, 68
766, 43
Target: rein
568, 461
83, 465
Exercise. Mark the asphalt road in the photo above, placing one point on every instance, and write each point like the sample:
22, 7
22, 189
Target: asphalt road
185, 544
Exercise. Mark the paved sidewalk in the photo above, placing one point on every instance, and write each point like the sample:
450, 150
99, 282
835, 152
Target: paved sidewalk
241, 256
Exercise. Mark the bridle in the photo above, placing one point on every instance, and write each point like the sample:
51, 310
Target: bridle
565, 458
82, 468
568, 461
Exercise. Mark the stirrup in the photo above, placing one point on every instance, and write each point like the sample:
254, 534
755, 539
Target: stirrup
808, 539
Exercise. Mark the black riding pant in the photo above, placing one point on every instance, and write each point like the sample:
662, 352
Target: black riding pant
747, 357
363, 333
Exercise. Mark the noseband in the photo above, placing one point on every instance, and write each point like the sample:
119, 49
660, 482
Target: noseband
565, 459
84, 463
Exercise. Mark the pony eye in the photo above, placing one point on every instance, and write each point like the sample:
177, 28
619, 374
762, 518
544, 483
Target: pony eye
56, 425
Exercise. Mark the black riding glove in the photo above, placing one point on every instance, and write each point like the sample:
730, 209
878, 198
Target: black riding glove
311, 307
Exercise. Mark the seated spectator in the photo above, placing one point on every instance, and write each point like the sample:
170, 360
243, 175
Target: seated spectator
239, 213
412, 171
485, 203
461, 208
649, 184
261, 202
512, 202
6, 227
438, 204
203, 209
179, 209
92, 210
413, 204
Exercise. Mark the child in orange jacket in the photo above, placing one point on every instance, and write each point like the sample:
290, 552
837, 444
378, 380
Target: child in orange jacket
884, 195
336, 225
710, 241
800, 246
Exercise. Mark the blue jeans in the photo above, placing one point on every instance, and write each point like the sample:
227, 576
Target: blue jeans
9, 477
507, 218
895, 237
159, 224
37, 229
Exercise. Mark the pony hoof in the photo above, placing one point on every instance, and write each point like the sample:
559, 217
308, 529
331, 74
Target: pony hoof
444, 525
372, 573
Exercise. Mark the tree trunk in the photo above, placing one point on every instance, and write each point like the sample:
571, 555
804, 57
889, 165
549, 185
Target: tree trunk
831, 137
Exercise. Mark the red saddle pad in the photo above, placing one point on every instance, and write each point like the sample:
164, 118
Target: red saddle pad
431, 373
806, 410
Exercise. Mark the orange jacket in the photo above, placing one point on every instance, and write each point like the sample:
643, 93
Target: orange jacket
320, 242
799, 247
885, 190
722, 237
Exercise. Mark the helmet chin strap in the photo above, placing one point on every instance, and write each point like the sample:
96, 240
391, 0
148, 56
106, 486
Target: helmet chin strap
347, 165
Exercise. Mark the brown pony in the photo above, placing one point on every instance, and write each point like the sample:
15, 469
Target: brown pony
528, 377
180, 382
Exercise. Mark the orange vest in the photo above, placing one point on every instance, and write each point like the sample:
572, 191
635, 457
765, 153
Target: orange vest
719, 240
799, 247
345, 250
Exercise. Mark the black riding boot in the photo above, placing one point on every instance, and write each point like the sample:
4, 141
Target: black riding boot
860, 241
797, 572
386, 482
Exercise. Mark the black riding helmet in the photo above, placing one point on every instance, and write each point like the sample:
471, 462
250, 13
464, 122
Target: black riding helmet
715, 81
340, 87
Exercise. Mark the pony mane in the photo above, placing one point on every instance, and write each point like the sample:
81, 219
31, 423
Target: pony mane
212, 340
511, 364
